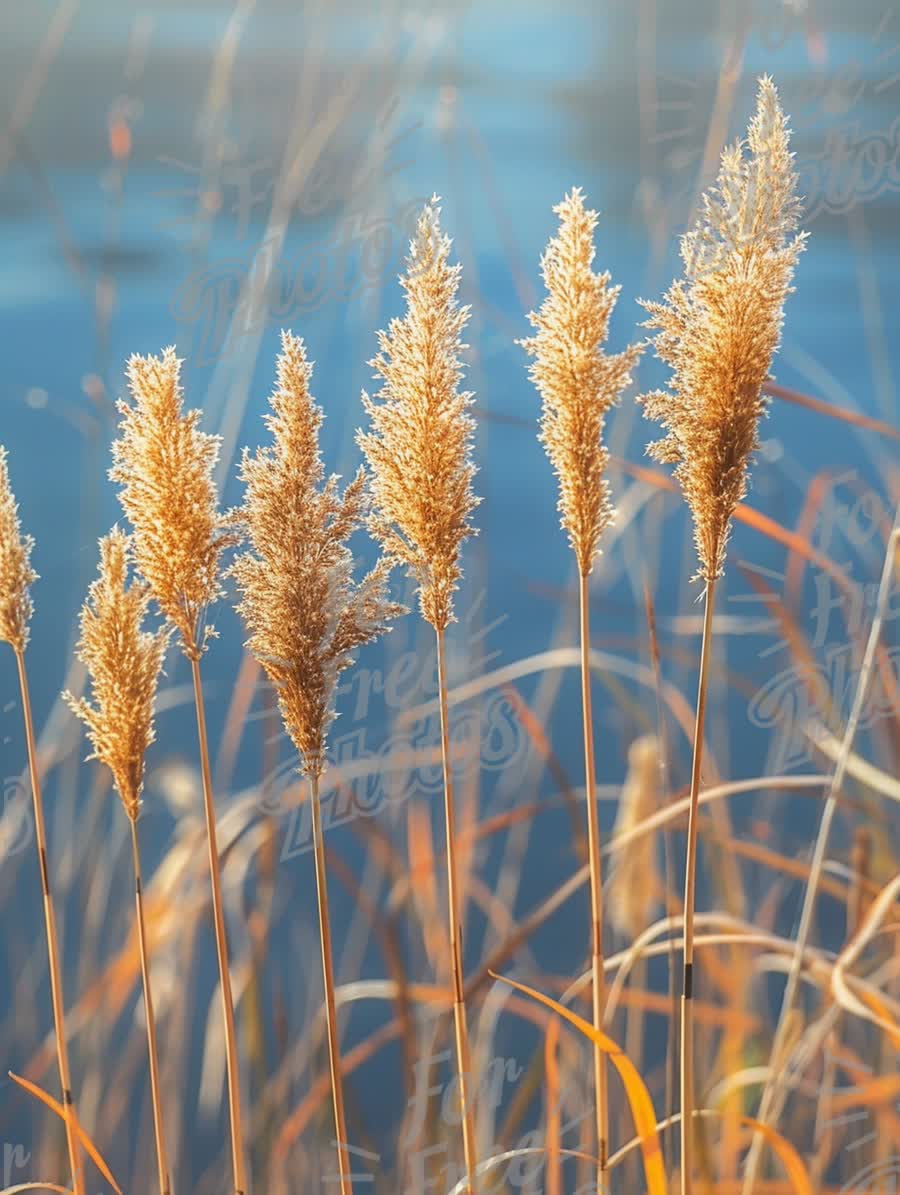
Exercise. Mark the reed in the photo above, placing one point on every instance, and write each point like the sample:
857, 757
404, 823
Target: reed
164, 464
305, 613
124, 662
634, 880
718, 329
16, 607
579, 383
419, 449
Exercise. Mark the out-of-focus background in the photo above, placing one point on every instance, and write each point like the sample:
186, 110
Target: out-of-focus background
204, 174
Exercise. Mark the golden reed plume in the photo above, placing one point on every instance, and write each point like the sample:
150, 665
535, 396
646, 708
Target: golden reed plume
16, 608
16, 573
719, 327
124, 662
164, 464
305, 613
579, 383
419, 449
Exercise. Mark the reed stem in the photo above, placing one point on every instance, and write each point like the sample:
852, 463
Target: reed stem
463, 1056
690, 883
162, 1161
594, 863
769, 1098
334, 1056
231, 1053
56, 989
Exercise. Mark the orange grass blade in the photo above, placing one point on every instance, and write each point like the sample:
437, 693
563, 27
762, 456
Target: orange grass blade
639, 1100
826, 408
790, 1159
891, 1028
551, 1072
752, 518
91, 1149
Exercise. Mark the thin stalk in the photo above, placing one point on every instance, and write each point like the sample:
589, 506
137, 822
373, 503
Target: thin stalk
690, 883
162, 1161
334, 1056
463, 1056
231, 1053
770, 1094
56, 989
594, 864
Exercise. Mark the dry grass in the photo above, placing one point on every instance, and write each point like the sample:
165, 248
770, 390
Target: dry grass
578, 381
718, 330
832, 1055
420, 453
16, 608
16, 574
419, 446
124, 662
720, 325
579, 384
305, 613
164, 465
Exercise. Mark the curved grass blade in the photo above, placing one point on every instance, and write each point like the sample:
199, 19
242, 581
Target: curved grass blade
54, 1106
639, 1100
790, 1159
35, 1187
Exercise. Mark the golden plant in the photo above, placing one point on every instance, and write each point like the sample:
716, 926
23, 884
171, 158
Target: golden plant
718, 329
304, 612
124, 662
579, 383
16, 608
16, 574
164, 465
720, 325
419, 449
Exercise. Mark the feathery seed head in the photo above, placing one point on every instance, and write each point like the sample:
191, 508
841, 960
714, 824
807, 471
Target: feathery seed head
419, 446
304, 612
720, 325
577, 380
164, 463
634, 879
123, 662
16, 573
